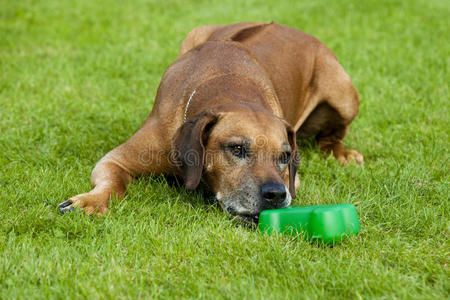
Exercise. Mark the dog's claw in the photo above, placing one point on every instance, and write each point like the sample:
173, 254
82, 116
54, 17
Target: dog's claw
65, 207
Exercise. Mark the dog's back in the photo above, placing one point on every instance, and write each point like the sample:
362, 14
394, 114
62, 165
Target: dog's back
287, 55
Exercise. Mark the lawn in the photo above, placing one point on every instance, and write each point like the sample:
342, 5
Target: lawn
77, 78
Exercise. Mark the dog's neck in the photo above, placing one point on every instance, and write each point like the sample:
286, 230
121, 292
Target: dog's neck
228, 88
187, 105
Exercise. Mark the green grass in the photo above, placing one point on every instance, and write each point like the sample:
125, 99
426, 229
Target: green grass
77, 78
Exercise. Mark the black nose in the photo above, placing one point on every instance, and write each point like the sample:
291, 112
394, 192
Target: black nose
273, 193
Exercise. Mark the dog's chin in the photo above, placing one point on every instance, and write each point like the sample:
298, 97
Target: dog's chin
249, 220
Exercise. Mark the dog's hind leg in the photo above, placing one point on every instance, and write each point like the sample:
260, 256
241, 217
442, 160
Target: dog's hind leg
196, 37
330, 141
143, 153
337, 109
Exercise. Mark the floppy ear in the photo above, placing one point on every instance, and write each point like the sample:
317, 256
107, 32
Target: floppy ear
294, 161
189, 147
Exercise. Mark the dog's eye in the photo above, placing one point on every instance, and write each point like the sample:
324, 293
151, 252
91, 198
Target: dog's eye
285, 157
238, 150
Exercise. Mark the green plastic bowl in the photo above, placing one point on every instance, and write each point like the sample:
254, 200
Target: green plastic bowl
326, 223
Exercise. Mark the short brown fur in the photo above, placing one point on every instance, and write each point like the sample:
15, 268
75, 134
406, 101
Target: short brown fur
252, 81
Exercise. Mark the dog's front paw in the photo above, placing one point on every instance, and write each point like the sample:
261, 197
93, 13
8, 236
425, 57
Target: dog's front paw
90, 203
348, 155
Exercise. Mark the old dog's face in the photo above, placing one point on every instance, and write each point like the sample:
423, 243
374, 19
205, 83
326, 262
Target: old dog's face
247, 158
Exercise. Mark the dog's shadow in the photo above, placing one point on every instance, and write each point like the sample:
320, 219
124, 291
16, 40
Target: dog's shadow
163, 188
156, 191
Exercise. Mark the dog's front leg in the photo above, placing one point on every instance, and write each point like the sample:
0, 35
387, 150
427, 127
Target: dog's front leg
145, 152
109, 178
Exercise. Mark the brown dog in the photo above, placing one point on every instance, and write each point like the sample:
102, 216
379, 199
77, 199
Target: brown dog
228, 111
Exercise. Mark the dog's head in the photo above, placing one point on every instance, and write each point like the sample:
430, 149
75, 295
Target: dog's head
247, 156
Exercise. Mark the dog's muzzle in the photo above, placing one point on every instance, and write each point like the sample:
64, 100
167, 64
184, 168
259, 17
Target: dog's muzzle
268, 196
